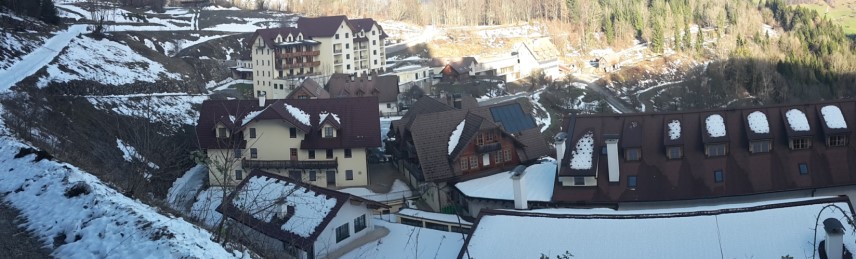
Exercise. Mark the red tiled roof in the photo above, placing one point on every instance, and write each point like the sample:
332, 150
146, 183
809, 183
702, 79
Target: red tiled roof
692, 177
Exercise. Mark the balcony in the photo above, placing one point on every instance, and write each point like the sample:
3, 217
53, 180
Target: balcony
337, 51
289, 164
489, 147
281, 66
298, 54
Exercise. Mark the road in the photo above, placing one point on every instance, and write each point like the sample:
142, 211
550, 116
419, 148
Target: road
33, 62
608, 95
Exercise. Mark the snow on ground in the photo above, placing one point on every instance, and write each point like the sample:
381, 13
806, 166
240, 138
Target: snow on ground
14, 46
456, 136
833, 117
715, 125
33, 62
674, 129
299, 114
266, 197
758, 122
543, 121
443, 217
385, 122
581, 157
185, 188
600, 233
768, 31
225, 84
399, 191
405, 241
220, 8
205, 205
248, 25
129, 153
174, 109
797, 120
100, 223
104, 61
537, 180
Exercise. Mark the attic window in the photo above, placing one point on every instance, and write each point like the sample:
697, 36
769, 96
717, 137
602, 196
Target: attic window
803, 168
632, 154
713, 150
631, 182
836, 141
674, 153
718, 176
328, 132
800, 143
222, 133
760, 146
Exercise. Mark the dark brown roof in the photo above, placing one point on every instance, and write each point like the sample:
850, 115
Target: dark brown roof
358, 115
311, 87
325, 26
692, 177
273, 228
365, 24
385, 87
460, 65
268, 35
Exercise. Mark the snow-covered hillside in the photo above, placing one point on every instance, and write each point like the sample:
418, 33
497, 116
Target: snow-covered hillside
173, 109
83, 218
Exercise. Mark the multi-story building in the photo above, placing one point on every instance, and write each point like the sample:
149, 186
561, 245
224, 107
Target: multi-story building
320, 141
316, 48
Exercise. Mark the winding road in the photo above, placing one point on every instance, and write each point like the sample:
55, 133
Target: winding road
609, 96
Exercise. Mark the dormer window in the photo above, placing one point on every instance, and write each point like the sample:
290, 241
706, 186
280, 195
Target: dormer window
836, 141
712, 150
222, 133
632, 154
799, 143
762, 146
674, 152
329, 132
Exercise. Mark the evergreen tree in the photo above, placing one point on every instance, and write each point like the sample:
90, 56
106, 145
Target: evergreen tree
48, 12
700, 41
609, 28
687, 40
657, 37
677, 39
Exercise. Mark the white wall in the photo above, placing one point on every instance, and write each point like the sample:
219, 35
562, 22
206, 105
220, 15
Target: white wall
326, 242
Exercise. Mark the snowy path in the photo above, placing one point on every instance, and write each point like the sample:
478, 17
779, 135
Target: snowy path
33, 62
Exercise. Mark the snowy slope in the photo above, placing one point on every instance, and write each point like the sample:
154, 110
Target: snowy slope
100, 223
172, 108
33, 62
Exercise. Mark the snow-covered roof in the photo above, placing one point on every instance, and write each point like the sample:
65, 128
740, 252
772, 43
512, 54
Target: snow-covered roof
450, 218
538, 180
323, 116
250, 116
456, 136
833, 117
581, 157
797, 120
715, 125
733, 231
405, 241
399, 191
265, 198
298, 114
674, 129
758, 122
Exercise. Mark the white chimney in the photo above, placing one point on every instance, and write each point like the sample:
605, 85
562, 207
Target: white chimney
560, 149
262, 96
612, 158
520, 200
834, 244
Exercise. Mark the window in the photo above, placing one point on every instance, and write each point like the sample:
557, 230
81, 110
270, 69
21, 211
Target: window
498, 156
252, 132
436, 226
759, 146
360, 223
631, 182
674, 153
337, 36
348, 66
603, 150
374, 42
489, 137
239, 174
375, 61
222, 133
349, 175
507, 155
347, 153
803, 168
375, 52
237, 152
328, 132
312, 154
254, 153
388, 105
474, 162
347, 46
836, 141
329, 153
373, 32
480, 139
411, 222
718, 176
293, 153
342, 232
346, 36
457, 229
632, 154
347, 56
463, 163
579, 180
312, 176
715, 150
292, 132
800, 143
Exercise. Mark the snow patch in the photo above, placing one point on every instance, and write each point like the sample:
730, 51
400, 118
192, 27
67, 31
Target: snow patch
399, 191
833, 117
581, 157
797, 120
758, 122
250, 116
456, 136
175, 109
323, 116
129, 153
405, 241
715, 125
299, 114
185, 187
538, 180
674, 129
266, 198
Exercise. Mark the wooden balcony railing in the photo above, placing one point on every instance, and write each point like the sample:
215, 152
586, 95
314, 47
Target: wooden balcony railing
289, 164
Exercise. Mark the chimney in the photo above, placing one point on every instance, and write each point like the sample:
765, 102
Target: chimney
612, 158
520, 200
834, 244
559, 140
262, 96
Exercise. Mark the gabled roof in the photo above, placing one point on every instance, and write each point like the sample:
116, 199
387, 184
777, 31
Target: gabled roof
285, 209
357, 116
385, 87
723, 231
311, 87
268, 35
324, 26
692, 176
542, 49
461, 65
213, 112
